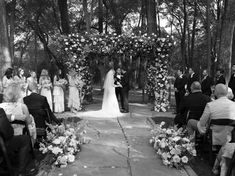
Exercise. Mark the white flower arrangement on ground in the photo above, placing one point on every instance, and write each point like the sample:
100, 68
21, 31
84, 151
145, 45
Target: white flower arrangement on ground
63, 141
172, 145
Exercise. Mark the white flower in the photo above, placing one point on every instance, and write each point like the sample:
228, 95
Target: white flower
184, 159
56, 150
56, 141
176, 138
176, 159
71, 158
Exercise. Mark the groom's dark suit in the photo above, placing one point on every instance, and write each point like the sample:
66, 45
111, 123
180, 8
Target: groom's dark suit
125, 90
40, 110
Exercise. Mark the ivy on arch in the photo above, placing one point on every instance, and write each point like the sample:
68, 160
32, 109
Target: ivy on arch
152, 48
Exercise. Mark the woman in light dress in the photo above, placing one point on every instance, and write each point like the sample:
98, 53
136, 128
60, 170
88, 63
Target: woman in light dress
45, 86
7, 78
58, 92
74, 95
16, 110
21, 80
31, 81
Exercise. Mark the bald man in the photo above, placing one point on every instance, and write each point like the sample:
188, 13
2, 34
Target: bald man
221, 108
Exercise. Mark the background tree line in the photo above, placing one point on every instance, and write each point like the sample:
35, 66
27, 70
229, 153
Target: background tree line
201, 29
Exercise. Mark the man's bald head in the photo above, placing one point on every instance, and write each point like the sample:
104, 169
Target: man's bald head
221, 90
195, 87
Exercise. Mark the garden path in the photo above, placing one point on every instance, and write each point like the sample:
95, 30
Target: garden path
118, 147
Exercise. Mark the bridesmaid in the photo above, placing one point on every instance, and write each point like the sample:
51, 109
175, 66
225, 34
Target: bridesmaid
58, 92
45, 85
21, 80
74, 98
31, 80
7, 78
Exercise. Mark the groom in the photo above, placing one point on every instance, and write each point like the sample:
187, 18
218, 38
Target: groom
122, 78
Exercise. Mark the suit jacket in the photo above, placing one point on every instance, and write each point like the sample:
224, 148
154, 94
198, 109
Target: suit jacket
191, 79
231, 83
222, 108
194, 103
206, 85
220, 80
40, 109
125, 81
180, 83
1, 98
6, 129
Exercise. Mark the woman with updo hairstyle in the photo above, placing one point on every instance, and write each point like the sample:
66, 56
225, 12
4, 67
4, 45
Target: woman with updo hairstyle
16, 110
21, 80
31, 81
45, 86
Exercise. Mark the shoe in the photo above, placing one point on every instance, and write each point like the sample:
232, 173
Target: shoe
125, 111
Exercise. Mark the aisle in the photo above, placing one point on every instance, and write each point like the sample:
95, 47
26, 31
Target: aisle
118, 147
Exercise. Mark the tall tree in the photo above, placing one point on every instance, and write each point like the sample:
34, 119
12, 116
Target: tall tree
101, 19
226, 38
5, 56
87, 16
151, 17
208, 35
63, 6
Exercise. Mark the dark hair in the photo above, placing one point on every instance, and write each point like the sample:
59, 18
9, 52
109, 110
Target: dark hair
9, 73
181, 69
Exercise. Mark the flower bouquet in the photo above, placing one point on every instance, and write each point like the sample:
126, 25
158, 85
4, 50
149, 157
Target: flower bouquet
63, 141
172, 145
62, 83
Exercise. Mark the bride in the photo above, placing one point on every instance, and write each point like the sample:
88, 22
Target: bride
110, 103
110, 107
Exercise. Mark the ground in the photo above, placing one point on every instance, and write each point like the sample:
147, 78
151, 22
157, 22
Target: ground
118, 146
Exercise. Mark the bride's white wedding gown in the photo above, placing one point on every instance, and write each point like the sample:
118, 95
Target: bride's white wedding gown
110, 107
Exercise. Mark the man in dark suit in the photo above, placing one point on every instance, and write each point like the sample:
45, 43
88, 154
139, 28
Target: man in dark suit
179, 85
206, 84
118, 89
20, 143
231, 83
220, 77
125, 83
39, 108
1, 97
192, 77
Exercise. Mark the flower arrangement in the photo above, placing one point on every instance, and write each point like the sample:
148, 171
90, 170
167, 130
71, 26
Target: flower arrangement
172, 145
63, 141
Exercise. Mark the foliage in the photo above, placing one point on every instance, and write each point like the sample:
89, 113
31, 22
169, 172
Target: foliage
172, 145
63, 141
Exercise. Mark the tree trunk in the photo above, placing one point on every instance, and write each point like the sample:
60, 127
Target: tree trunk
208, 36
227, 38
193, 33
12, 27
64, 17
151, 17
5, 56
87, 17
183, 38
101, 19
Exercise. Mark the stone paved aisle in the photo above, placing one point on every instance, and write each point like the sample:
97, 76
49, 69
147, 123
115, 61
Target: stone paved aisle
118, 147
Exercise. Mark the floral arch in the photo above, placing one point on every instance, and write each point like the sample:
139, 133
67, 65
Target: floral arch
150, 47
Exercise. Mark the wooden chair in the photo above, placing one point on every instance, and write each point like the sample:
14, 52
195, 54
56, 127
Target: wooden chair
208, 138
9, 170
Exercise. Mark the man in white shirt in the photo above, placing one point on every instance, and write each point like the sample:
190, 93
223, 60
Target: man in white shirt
221, 108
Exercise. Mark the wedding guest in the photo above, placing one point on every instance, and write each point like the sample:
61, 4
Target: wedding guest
31, 80
58, 92
17, 110
38, 106
207, 83
192, 77
45, 86
21, 80
75, 85
231, 83
7, 78
220, 77
179, 86
221, 108
192, 106
19, 143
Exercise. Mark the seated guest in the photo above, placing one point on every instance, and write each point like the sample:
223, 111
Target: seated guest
20, 143
192, 105
39, 107
17, 110
221, 108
